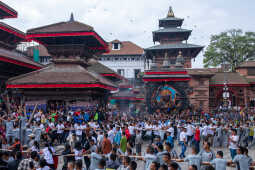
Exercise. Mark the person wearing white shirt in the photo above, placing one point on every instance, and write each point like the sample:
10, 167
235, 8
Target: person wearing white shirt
183, 142
100, 138
148, 128
149, 157
48, 155
156, 130
60, 129
205, 132
171, 131
52, 125
233, 142
111, 134
189, 132
78, 130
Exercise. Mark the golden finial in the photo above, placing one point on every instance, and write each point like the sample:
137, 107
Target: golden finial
170, 13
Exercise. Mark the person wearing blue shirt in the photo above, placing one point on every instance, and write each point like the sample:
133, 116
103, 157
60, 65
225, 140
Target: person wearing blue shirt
117, 137
86, 116
169, 139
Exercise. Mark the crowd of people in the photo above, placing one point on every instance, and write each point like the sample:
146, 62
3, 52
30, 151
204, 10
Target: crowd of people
94, 139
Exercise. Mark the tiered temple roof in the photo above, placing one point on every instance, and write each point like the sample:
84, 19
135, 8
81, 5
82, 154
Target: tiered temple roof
171, 37
71, 44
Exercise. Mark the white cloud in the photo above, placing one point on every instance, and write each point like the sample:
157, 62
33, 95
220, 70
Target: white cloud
135, 20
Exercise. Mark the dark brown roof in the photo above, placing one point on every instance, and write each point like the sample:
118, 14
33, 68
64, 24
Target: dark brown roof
6, 11
60, 74
127, 48
7, 28
69, 26
99, 68
247, 64
19, 58
200, 72
231, 77
42, 50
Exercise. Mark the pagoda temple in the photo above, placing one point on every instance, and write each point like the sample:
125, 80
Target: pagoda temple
71, 45
167, 79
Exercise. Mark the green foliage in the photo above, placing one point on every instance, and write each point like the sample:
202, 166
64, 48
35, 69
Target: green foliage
232, 47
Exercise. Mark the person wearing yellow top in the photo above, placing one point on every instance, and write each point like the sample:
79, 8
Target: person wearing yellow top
251, 133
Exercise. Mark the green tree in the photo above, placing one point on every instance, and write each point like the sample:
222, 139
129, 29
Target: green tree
231, 47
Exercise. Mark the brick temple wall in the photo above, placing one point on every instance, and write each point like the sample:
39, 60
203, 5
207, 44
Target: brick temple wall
199, 98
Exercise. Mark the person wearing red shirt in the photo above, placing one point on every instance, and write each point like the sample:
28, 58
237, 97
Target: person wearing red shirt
197, 138
127, 133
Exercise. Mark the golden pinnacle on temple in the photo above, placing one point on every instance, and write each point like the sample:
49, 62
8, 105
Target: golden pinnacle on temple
170, 12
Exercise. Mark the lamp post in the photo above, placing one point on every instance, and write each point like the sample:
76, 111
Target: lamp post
225, 96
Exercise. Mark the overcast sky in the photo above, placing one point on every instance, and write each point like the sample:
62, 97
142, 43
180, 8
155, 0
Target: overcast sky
134, 20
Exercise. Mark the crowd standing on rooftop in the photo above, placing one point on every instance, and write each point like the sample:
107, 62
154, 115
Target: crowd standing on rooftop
97, 139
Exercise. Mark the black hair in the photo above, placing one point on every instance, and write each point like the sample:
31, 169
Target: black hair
234, 130
31, 165
194, 167
102, 162
245, 151
164, 167
174, 165
113, 157
42, 163
127, 158
151, 149
167, 154
241, 149
78, 164
156, 164
78, 146
18, 155
195, 149
33, 154
220, 153
209, 167
133, 165
208, 143
67, 147
36, 144
160, 146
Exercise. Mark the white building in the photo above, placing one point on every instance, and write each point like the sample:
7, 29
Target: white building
125, 57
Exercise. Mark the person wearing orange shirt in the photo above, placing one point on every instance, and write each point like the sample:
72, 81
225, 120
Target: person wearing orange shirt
106, 144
